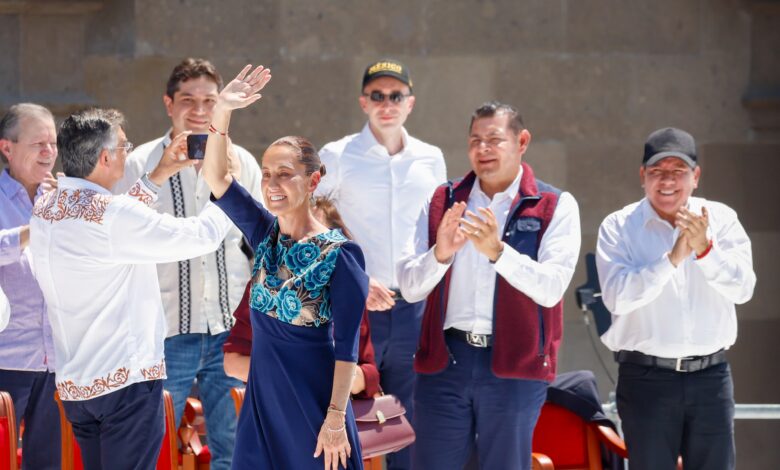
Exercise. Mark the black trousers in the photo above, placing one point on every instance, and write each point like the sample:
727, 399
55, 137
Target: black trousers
666, 414
33, 396
121, 430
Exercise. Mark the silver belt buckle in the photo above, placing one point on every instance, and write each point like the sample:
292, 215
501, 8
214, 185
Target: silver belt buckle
678, 366
479, 341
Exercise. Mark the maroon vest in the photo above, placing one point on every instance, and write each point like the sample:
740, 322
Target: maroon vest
526, 336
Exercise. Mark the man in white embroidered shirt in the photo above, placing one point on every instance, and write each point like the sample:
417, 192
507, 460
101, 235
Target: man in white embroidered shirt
94, 257
379, 179
671, 268
199, 295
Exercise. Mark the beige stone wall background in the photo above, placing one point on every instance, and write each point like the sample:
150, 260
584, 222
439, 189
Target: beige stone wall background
591, 77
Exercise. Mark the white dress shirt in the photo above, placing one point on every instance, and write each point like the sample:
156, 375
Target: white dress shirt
670, 312
379, 195
473, 282
94, 257
199, 295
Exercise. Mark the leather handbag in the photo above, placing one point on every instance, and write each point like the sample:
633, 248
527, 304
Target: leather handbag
382, 425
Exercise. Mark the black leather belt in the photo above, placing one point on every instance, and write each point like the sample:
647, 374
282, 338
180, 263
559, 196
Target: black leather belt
478, 341
679, 364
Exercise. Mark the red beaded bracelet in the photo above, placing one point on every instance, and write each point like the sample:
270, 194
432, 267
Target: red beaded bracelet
214, 130
705, 252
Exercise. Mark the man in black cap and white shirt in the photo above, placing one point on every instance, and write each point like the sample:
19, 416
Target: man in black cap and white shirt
379, 180
672, 267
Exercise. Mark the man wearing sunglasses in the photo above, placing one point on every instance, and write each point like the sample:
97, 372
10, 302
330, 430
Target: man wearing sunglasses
380, 179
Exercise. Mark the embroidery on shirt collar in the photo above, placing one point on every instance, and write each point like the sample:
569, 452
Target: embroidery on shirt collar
85, 204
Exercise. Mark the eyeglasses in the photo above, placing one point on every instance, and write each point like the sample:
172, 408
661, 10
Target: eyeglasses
128, 147
396, 97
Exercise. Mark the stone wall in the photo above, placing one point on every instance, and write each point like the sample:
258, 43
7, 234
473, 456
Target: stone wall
591, 77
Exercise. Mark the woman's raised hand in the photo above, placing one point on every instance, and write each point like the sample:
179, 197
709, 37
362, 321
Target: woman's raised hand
243, 90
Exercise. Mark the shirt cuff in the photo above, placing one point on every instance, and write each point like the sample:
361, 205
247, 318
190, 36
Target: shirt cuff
712, 261
143, 190
509, 261
433, 266
238, 345
148, 183
10, 244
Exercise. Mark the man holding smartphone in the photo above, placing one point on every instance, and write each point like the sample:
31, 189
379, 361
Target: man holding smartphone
200, 294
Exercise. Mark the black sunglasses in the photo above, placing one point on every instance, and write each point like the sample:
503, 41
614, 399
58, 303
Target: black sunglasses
379, 97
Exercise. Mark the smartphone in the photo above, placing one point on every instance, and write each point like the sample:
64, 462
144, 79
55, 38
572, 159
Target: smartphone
196, 146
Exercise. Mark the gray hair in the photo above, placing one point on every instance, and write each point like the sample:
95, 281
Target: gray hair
83, 136
9, 125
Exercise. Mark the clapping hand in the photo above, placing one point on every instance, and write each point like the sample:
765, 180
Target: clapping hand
695, 228
483, 232
449, 237
243, 90
693, 235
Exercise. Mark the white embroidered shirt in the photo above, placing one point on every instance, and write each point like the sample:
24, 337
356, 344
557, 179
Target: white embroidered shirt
94, 256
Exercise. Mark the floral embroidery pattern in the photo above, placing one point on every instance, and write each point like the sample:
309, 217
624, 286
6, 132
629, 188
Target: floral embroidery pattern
70, 391
154, 372
140, 193
84, 204
291, 278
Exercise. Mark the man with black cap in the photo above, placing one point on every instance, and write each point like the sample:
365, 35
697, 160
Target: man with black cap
672, 267
379, 180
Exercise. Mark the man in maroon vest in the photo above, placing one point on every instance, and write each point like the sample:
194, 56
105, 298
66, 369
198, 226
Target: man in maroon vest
493, 254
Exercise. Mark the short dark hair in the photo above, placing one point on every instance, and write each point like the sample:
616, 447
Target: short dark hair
191, 68
307, 153
83, 136
492, 108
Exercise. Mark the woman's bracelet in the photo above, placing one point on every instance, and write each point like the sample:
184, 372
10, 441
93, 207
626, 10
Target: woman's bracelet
332, 408
343, 427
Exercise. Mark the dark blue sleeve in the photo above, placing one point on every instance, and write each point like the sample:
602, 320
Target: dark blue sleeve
348, 292
249, 215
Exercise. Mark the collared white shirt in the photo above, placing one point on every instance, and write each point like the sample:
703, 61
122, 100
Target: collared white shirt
94, 257
473, 282
379, 195
200, 294
670, 312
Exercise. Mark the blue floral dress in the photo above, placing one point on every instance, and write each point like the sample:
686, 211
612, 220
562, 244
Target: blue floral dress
306, 302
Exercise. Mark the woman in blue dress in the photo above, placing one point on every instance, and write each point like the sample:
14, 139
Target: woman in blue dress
307, 298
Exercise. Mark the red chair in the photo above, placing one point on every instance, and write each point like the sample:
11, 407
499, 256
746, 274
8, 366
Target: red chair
169, 453
8, 454
194, 455
571, 443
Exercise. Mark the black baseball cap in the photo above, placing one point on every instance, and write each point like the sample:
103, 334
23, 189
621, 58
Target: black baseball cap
387, 68
670, 142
